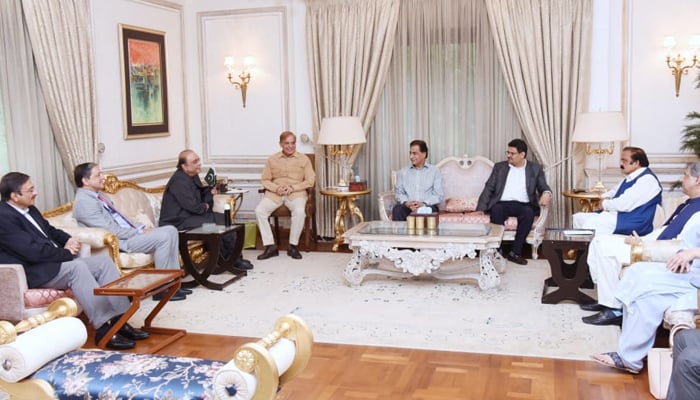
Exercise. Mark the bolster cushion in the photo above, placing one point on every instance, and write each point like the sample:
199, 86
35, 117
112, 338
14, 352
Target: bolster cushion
40, 345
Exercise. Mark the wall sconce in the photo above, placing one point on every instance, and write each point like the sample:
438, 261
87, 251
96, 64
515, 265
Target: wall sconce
343, 132
600, 127
244, 76
676, 62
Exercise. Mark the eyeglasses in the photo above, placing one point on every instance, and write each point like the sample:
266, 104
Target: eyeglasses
28, 191
511, 153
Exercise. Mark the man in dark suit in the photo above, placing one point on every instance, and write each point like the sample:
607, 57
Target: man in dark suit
517, 188
187, 204
48, 256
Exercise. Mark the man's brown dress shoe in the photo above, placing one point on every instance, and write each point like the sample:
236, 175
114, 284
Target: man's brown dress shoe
293, 252
270, 251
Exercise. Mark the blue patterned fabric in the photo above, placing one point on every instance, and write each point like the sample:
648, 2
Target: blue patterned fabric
96, 374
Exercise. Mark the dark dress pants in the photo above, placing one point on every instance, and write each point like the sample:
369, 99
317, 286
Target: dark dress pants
502, 210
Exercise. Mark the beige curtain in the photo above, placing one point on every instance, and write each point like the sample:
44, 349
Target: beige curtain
60, 36
349, 45
544, 46
445, 86
31, 147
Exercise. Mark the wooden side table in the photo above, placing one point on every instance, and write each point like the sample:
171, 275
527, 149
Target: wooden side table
567, 254
201, 269
138, 285
588, 201
346, 203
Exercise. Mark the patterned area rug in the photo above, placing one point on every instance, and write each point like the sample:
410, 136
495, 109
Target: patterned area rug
412, 313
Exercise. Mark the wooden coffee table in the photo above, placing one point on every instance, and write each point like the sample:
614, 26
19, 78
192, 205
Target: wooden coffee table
138, 285
416, 252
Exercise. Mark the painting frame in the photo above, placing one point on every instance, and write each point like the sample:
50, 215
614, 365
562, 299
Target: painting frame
144, 80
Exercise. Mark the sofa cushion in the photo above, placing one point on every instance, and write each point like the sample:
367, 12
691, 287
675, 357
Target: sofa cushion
136, 204
63, 220
42, 297
461, 204
97, 374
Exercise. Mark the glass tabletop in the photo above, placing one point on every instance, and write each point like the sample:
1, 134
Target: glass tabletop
212, 228
399, 228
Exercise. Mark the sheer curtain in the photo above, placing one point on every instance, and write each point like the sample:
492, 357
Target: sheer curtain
543, 47
349, 44
31, 147
60, 35
445, 86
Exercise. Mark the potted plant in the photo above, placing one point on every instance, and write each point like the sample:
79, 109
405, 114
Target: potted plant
691, 133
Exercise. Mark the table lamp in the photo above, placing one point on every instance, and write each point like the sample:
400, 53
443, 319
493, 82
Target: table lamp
600, 127
341, 133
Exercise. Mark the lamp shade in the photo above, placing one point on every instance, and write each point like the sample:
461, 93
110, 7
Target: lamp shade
597, 127
341, 130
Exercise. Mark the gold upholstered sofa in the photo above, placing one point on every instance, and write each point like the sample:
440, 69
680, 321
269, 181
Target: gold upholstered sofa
463, 180
141, 204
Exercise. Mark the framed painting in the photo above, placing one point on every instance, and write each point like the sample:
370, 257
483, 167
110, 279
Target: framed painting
145, 82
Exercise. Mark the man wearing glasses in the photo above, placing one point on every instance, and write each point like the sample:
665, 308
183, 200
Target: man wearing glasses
49, 257
516, 188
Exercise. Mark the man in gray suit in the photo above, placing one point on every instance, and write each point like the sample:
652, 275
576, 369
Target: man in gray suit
91, 208
517, 188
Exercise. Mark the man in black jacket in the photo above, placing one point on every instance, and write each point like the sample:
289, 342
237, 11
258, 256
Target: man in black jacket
517, 188
187, 204
48, 256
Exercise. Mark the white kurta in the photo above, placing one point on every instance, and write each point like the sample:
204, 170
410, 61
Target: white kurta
643, 191
646, 291
607, 254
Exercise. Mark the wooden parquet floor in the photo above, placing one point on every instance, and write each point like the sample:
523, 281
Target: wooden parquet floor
337, 372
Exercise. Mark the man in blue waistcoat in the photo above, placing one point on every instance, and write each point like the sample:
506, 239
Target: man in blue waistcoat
630, 206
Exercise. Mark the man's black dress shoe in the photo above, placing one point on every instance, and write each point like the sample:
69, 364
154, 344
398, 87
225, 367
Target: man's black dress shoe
516, 258
179, 295
293, 252
592, 307
132, 333
117, 342
605, 317
185, 291
270, 251
242, 263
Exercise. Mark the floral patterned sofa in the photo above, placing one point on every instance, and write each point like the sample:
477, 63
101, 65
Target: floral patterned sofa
463, 179
46, 362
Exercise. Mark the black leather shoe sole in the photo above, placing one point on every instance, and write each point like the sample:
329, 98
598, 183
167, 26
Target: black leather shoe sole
516, 259
294, 253
592, 307
268, 254
132, 333
118, 342
185, 291
603, 318
243, 264
176, 297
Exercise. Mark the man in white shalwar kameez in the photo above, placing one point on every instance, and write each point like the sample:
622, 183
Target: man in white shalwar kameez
647, 290
607, 253
629, 206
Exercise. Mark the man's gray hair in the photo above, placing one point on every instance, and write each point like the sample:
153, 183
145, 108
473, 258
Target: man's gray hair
694, 169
